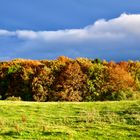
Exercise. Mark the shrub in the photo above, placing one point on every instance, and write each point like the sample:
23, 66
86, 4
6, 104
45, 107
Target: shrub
127, 94
13, 98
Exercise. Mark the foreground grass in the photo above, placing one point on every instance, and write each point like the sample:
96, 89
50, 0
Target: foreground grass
70, 121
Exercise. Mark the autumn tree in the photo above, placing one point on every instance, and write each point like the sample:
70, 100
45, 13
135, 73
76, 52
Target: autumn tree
41, 83
65, 79
134, 69
69, 84
118, 80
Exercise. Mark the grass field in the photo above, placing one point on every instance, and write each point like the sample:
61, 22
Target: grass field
70, 121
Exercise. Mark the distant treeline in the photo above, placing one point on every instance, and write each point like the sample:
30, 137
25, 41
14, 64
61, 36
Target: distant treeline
66, 79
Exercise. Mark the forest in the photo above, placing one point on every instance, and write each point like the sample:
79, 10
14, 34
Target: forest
66, 79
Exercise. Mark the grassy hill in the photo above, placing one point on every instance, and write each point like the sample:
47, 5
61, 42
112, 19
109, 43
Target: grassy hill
70, 121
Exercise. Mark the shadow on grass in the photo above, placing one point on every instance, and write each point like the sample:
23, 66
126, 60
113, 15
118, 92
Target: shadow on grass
131, 114
10, 134
55, 133
124, 128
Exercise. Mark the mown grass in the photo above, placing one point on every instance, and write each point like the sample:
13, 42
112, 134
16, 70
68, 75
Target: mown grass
70, 121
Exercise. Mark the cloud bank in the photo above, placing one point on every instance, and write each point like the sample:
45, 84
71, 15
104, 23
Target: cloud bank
115, 39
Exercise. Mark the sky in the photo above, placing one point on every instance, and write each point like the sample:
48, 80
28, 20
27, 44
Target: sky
47, 29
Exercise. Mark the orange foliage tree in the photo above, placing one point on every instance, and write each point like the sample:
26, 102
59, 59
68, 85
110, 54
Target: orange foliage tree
70, 83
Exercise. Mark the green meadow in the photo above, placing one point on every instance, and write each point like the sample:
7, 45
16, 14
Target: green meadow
70, 120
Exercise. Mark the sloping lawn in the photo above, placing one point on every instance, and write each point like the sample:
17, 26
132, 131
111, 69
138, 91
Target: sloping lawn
70, 121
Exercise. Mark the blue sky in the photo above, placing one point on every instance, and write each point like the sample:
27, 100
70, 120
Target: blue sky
46, 29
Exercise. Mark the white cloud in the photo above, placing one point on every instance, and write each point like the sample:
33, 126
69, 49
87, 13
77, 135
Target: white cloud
26, 34
6, 33
115, 28
118, 37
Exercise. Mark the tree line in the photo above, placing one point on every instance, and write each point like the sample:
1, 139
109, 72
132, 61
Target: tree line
66, 79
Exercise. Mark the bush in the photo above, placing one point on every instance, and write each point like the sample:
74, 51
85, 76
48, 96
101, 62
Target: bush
13, 98
127, 94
